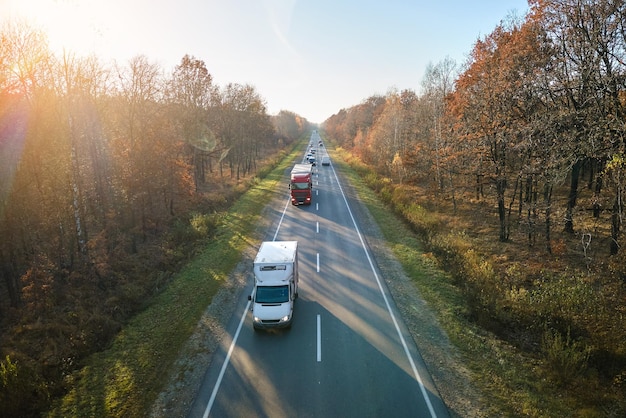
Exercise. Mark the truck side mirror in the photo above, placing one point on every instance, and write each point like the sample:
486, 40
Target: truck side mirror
249, 297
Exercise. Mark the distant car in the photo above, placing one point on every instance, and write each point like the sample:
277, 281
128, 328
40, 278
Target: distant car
325, 160
311, 160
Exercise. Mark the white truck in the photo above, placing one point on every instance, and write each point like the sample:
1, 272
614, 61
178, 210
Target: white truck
275, 284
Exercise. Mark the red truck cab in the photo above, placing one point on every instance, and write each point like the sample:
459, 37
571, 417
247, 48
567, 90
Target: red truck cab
301, 184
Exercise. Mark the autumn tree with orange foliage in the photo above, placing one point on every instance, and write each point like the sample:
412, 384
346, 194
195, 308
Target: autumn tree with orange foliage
350, 127
487, 105
289, 126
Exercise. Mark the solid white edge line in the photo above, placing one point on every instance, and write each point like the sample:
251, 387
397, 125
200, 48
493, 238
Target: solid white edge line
393, 318
226, 361
319, 338
216, 388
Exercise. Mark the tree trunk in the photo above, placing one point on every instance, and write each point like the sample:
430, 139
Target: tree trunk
573, 194
596, 195
501, 187
479, 186
452, 192
79, 224
616, 221
547, 198
196, 173
10, 278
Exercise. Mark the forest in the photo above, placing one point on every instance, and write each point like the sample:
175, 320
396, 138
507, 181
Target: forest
522, 148
111, 173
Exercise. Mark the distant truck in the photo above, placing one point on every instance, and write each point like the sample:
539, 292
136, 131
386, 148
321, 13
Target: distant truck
275, 284
301, 184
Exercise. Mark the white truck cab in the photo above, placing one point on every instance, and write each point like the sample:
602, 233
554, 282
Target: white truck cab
275, 284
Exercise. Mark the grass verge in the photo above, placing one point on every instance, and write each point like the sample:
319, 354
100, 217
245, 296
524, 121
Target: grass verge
125, 379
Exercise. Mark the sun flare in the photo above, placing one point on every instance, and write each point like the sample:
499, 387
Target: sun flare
74, 26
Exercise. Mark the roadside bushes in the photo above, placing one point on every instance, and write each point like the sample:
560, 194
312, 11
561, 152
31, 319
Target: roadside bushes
204, 225
194, 226
22, 391
421, 221
566, 356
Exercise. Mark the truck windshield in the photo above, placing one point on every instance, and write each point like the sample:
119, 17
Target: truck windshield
272, 294
300, 186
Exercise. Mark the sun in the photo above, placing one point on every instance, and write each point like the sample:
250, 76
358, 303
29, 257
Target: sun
75, 26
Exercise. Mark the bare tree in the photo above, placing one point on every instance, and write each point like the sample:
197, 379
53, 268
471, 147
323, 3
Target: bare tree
437, 84
244, 126
24, 58
191, 89
141, 89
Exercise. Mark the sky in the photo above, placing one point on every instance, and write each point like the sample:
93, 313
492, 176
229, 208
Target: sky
310, 57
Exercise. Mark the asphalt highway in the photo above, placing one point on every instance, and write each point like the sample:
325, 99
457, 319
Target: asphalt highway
347, 354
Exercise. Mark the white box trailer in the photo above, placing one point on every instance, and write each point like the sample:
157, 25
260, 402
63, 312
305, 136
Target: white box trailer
275, 284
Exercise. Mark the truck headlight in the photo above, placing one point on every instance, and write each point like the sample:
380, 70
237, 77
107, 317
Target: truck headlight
256, 319
284, 318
